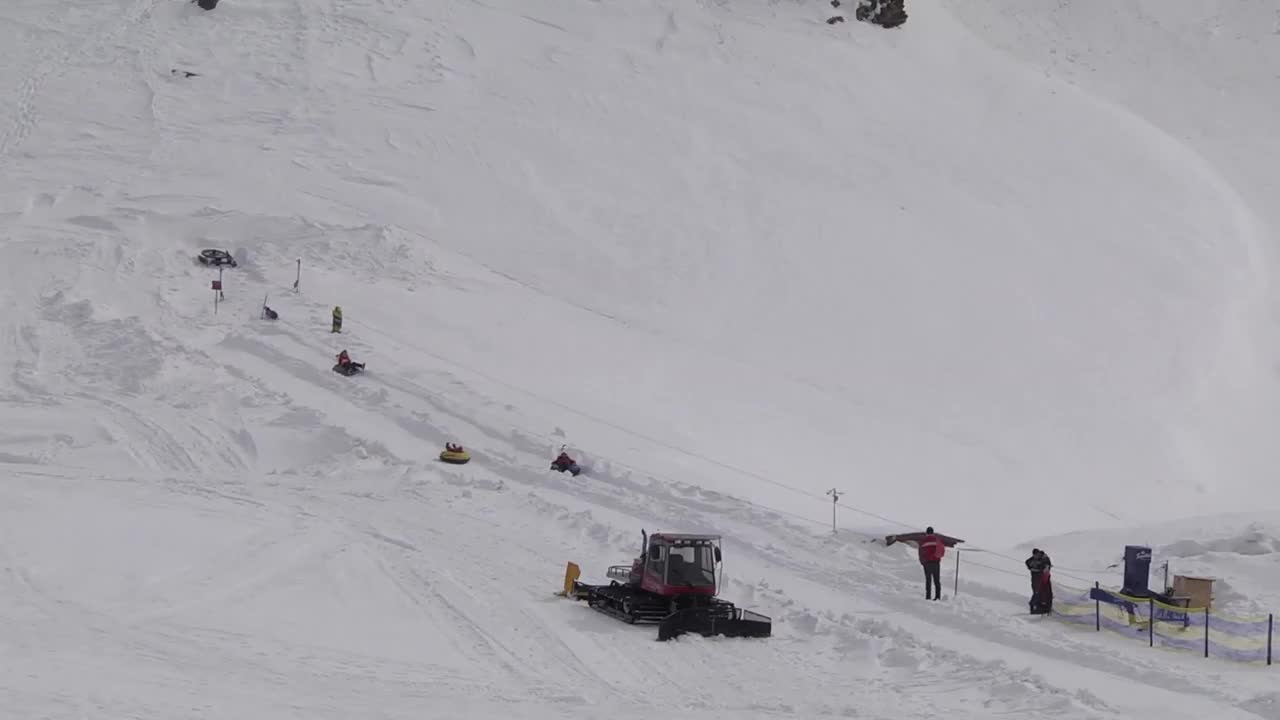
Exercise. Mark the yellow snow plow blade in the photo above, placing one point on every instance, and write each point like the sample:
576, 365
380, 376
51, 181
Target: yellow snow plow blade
571, 574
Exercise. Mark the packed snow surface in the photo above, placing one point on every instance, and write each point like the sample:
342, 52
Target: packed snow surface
1006, 270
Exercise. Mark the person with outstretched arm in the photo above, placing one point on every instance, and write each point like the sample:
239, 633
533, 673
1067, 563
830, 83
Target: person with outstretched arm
931, 551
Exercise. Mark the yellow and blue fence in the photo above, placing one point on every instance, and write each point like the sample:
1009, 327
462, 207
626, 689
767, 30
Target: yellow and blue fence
1240, 639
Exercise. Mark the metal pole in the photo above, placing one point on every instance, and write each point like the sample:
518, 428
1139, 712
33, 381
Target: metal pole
956, 591
1271, 621
1097, 609
835, 497
1166, 576
1206, 631
1151, 626
298, 281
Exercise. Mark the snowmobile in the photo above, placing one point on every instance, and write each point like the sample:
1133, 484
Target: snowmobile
214, 258
673, 584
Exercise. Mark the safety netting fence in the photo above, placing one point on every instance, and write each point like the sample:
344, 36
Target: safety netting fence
1201, 630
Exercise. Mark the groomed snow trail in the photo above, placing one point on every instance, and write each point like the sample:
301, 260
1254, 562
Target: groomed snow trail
678, 238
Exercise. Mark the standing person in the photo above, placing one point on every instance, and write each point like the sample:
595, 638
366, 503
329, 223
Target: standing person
931, 551
1044, 594
337, 319
1038, 564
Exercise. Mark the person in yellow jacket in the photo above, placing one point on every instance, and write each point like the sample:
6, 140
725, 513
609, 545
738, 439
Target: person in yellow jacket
337, 319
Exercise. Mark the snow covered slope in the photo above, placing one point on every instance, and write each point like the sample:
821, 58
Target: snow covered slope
729, 254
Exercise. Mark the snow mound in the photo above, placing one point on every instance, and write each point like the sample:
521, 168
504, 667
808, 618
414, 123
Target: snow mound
1253, 541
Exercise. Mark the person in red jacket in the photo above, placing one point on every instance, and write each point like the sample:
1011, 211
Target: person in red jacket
931, 551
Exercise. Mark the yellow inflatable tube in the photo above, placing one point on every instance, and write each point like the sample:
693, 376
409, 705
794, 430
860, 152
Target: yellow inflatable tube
456, 457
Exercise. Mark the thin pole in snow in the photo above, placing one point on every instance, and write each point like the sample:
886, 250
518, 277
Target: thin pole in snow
298, 281
956, 589
217, 290
1271, 621
1097, 608
1151, 620
1206, 630
835, 498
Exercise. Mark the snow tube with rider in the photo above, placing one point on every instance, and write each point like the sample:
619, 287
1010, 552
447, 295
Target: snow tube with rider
349, 369
455, 457
570, 467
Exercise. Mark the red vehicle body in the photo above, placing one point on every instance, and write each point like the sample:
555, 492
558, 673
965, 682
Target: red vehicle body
674, 565
674, 582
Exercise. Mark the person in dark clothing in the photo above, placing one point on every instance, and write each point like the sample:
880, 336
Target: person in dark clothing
931, 551
1042, 601
564, 463
1039, 564
1036, 564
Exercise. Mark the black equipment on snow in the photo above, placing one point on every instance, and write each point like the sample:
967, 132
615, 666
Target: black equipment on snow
673, 584
216, 257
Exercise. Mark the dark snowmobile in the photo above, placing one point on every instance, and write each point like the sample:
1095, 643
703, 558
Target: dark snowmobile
672, 584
